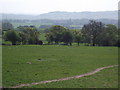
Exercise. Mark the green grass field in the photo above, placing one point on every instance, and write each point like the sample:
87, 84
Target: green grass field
0, 65
107, 78
34, 63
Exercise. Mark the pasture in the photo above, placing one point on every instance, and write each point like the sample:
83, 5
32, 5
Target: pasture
107, 78
0, 65
33, 63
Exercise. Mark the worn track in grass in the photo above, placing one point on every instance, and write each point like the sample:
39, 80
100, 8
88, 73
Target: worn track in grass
67, 78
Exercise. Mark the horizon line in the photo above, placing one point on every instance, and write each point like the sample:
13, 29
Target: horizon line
56, 11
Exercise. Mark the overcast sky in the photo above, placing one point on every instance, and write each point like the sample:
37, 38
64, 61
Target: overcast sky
44, 6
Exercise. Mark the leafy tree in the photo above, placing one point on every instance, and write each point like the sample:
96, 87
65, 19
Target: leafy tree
109, 36
67, 37
29, 34
50, 38
78, 36
12, 36
56, 31
23, 38
118, 42
92, 30
1, 32
58, 34
31, 40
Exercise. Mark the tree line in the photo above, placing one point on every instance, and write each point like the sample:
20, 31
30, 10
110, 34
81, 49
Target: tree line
92, 34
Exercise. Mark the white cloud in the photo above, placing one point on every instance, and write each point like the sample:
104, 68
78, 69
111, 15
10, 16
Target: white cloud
43, 6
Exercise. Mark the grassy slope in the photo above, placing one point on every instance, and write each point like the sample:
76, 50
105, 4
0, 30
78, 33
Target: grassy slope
107, 78
0, 65
56, 62
0, 60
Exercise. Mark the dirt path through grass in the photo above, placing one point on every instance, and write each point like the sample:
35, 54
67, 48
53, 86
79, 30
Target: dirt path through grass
67, 78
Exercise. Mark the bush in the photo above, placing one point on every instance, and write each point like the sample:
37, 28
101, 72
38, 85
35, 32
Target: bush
11, 36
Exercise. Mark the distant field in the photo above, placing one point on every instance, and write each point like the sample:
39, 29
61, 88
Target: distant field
34, 63
37, 24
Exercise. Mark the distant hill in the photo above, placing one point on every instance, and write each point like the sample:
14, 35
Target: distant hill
17, 16
65, 15
79, 15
